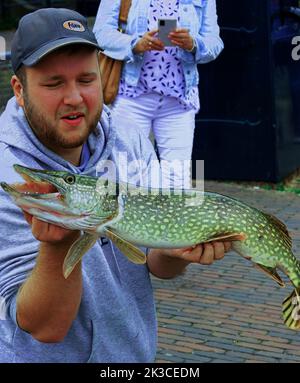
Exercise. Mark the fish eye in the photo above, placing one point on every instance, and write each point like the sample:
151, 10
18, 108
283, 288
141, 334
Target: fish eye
69, 179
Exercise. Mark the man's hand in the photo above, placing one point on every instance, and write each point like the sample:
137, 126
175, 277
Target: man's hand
50, 233
148, 42
205, 253
182, 38
168, 263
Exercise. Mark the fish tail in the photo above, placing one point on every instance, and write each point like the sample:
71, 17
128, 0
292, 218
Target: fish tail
291, 310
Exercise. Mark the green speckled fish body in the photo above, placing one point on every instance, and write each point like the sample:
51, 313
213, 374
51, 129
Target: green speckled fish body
158, 218
174, 221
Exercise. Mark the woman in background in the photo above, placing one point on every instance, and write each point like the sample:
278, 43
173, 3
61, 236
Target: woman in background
159, 83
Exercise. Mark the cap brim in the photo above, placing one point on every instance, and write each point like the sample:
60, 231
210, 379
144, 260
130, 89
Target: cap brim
35, 57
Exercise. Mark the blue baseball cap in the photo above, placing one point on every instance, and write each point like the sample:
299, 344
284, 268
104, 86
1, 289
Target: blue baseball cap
45, 30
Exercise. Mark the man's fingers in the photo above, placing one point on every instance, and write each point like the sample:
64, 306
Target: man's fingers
206, 253
48, 232
203, 253
219, 250
191, 254
207, 256
39, 229
227, 246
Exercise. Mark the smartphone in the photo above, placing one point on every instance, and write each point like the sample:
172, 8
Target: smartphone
165, 26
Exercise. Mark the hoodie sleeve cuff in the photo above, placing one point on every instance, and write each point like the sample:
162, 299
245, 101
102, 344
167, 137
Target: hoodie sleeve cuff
12, 310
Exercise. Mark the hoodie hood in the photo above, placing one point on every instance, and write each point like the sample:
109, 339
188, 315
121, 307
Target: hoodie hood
16, 133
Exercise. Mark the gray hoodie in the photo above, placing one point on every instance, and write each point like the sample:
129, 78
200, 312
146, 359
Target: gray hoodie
116, 320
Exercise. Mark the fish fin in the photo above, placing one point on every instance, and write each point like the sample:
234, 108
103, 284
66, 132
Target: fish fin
228, 237
115, 217
271, 271
77, 251
291, 310
281, 226
133, 253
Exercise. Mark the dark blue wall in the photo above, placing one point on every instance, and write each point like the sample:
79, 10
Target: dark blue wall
249, 124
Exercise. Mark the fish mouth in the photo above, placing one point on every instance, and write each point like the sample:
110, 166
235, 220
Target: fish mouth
40, 191
37, 184
34, 184
41, 181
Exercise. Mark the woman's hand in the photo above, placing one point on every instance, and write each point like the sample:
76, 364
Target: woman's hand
148, 42
182, 38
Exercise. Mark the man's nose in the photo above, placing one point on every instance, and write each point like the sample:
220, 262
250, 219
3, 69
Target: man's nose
72, 95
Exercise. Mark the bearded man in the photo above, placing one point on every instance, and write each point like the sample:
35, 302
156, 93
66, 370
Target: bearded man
104, 311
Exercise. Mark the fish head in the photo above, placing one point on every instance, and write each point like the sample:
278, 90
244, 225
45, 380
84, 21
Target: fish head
55, 196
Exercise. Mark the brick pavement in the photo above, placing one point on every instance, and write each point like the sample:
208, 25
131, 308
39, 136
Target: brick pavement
229, 311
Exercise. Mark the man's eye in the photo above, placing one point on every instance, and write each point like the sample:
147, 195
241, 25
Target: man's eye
52, 85
86, 81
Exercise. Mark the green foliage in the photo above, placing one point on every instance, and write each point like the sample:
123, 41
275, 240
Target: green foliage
293, 187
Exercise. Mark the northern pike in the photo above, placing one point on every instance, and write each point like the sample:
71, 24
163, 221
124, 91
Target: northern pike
136, 216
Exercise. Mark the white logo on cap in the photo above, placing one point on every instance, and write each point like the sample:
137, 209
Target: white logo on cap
74, 25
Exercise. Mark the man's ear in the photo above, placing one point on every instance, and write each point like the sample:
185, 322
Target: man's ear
18, 89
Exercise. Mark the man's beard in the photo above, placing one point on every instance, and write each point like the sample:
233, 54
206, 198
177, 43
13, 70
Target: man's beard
48, 134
